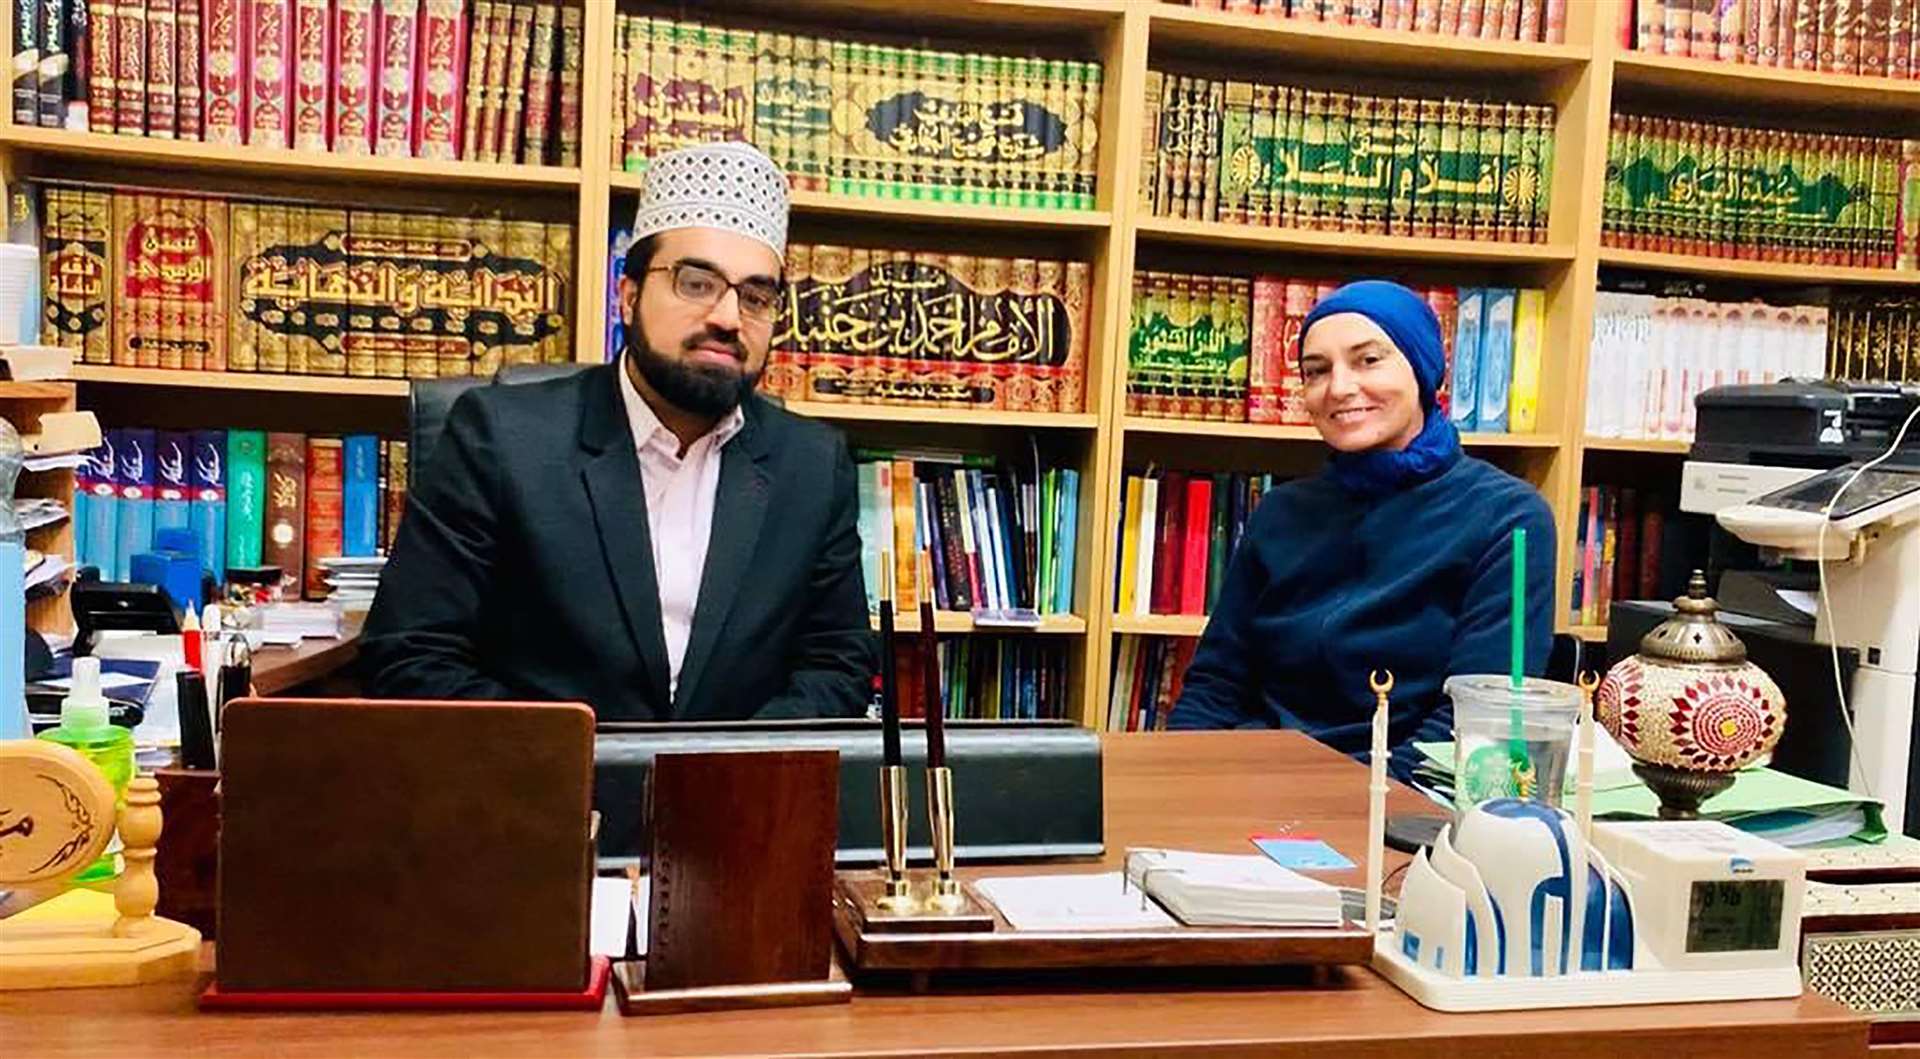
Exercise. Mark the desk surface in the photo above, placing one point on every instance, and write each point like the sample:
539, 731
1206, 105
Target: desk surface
1196, 790
275, 669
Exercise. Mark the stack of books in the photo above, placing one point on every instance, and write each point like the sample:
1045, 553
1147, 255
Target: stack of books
1868, 38
1523, 20
352, 580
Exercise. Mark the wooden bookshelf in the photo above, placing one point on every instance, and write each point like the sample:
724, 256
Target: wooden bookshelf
1765, 86
959, 621
1589, 633
1768, 271
882, 413
1222, 235
946, 214
281, 162
1158, 624
1198, 428
242, 380
1670, 446
1325, 42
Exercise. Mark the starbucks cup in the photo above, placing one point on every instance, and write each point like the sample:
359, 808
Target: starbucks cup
1493, 760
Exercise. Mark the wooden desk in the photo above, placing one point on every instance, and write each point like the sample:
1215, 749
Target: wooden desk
277, 669
1199, 790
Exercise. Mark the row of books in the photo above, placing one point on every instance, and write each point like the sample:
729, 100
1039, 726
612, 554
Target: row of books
1762, 194
985, 678
1869, 38
863, 119
1652, 355
1283, 156
249, 497
494, 80
1629, 544
1527, 20
1223, 348
932, 329
157, 280
1178, 530
999, 539
1874, 338
1148, 673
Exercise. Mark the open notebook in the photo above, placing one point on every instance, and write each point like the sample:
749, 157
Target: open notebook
1231, 889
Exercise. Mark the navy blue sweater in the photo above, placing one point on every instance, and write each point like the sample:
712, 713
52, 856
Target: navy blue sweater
1326, 586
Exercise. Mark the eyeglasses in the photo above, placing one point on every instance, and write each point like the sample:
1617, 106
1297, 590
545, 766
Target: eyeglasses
759, 300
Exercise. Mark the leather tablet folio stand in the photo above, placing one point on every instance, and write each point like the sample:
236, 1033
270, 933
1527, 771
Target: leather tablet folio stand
387, 853
741, 904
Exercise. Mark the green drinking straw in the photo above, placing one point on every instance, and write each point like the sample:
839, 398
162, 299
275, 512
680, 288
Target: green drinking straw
1517, 745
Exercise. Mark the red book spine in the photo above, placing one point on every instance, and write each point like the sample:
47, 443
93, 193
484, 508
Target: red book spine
326, 504
1268, 362
1445, 303
312, 54
397, 48
353, 77
1199, 529
1652, 527
103, 104
1900, 43
130, 70
442, 70
224, 27
1556, 17
1293, 401
269, 92
189, 65
1168, 557
161, 73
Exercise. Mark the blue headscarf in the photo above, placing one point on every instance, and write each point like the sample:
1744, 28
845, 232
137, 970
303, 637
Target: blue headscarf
1410, 323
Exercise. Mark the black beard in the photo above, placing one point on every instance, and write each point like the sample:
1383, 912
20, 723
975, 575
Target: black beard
689, 385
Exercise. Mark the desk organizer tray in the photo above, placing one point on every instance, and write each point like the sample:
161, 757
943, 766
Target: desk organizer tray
1006, 949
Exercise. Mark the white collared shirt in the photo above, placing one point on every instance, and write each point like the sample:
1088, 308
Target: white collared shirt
680, 496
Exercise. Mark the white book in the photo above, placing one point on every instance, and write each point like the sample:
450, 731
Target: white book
963, 494
1814, 364
1143, 571
1599, 360
1639, 374
1230, 889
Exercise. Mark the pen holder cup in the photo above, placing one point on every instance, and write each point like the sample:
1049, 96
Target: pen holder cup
186, 864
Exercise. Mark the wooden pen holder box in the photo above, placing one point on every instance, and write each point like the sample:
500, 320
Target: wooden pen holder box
187, 861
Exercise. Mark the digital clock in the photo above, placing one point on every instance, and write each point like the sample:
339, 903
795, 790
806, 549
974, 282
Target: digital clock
1707, 897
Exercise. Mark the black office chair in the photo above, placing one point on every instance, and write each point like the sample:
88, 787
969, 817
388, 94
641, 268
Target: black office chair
429, 401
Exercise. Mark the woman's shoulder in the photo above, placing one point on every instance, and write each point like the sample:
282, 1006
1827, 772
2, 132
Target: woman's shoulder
1496, 497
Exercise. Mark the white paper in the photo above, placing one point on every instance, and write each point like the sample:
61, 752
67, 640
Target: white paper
61, 459
607, 920
1073, 902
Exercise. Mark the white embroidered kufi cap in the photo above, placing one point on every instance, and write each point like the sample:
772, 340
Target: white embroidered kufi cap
731, 186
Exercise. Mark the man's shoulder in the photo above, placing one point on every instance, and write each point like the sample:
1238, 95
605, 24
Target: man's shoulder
539, 400
799, 437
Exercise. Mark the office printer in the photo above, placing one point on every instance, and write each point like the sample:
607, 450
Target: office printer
1765, 463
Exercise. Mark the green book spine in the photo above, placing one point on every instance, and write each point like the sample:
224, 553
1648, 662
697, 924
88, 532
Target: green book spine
1886, 197
1449, 170
977, 180
1239, 161
768, 130
1342, 200
1376, 166
1239, 347
1403, 174
246, 496
1657, 147
864, 86
999, 91
840, 157
1150, 119
1486, 173
1290, 159
1426, 192
921, 169
1203, 184
1544, 116
1313, 152
1263, 141
1166, 136
1178, 144
1087, 174
1857, 187
1027, 97
1514, 191
1614, 201
885, 172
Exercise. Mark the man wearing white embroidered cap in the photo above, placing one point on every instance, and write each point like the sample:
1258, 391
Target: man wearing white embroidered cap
651, 537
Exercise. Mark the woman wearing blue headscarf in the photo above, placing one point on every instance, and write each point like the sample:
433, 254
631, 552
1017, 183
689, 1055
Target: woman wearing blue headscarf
1395, 557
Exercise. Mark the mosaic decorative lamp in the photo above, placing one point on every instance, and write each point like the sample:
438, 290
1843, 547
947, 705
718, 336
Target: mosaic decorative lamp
1689, 708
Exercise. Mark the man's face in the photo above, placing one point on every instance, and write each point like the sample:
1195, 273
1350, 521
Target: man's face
690, 335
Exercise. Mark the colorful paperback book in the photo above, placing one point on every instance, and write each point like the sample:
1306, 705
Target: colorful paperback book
312, 58
172, 492
442, 65
134, 450
246, 496
1529, 325
1464, 386
1496, 359
396, 48
269, 95
360, 532
353, 37
207, 478
102, 535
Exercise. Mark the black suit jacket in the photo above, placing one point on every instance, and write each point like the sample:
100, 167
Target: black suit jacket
523, 568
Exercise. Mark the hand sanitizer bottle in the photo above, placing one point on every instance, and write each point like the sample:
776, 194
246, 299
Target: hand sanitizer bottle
84, 727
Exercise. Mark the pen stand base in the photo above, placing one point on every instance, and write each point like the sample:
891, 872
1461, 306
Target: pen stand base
629, 988
863, 893
58, 955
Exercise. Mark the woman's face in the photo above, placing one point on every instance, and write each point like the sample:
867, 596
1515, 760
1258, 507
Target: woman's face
1360, 388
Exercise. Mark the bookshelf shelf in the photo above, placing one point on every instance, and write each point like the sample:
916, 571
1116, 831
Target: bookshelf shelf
1349, 244
1589, 633
959, 621
1755, 86
1774, 271
1673, 446
826, 204
1275, 432
241, 380
1426, 53
1159, 624
282, 163
35, 391
880, 413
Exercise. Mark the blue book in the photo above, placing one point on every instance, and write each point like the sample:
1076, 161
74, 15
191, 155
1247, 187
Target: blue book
1496, 358
102, 535
207, 479
360, 495
1068, 530
133, 450
1465, 408
172, 497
